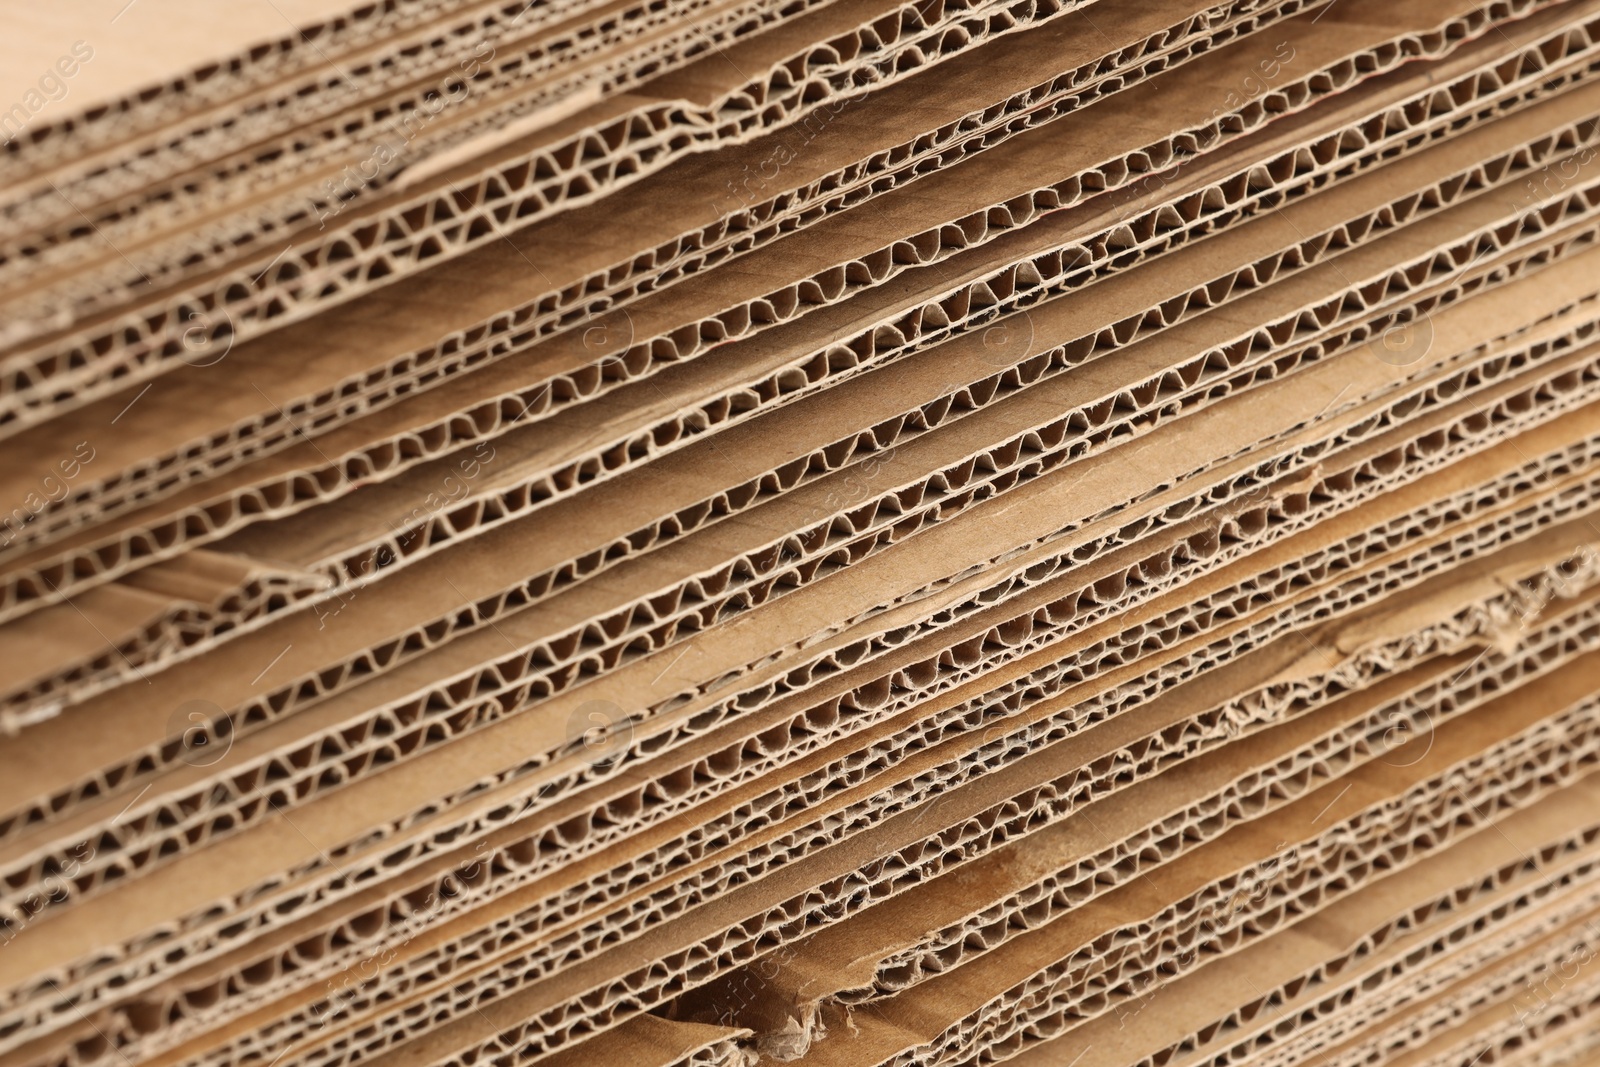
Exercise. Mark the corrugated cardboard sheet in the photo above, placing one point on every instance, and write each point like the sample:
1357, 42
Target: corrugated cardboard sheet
859, 533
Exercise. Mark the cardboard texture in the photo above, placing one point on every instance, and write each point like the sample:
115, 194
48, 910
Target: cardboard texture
710, 533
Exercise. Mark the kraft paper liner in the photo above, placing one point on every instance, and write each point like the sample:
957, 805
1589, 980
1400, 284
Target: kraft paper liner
901, 1031
290, 388
470, 115
1484, 960
258, 439
1585, 1058
1033, 732
173, 254
146, 667
1566, 1037
320, 174
252, 46
128, 653
826, 55
1264, 1002
125, 651
282, 551
1549, 410
932, 930
1352, 1007
548, 65
493, 550
1259, 494
651, 1042
389, 1035
1572, 1044
106, 854
300, 821
1503, 1031
337, 284
368, 46
534, 399
1362, 975
940, 954
1535, 940
1522, 976
543, 1017
280, 645
1557, 948
178, 609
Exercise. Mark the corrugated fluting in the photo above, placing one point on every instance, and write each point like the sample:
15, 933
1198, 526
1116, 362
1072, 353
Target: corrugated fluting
852, 533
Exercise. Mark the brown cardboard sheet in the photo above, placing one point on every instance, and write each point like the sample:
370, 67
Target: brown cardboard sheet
235, 767
816, 59
859, 532
142, 429
1550, 843
462, 588
531, 1020
903, 1029
886, 951
122, 912
237, 320
525, 395
273, 554
1029, 732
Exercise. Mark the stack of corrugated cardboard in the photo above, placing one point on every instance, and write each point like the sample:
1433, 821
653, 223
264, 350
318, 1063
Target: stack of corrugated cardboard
852, 532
